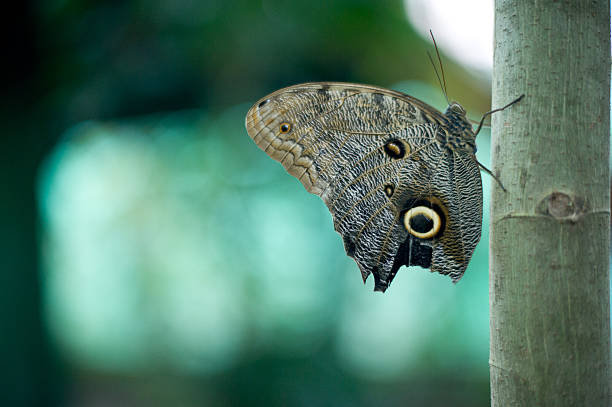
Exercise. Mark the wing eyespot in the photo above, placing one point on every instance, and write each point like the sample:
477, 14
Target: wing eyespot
396, 149
285, 128
389, 189
422, 222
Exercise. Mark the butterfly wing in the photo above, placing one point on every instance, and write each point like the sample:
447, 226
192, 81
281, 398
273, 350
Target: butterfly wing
371, 154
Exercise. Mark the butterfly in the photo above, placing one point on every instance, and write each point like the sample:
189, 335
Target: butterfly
400, 178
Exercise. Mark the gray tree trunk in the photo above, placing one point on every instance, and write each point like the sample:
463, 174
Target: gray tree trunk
550, 232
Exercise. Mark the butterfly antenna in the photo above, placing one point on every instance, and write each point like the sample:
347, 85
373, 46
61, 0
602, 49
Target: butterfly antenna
440, 61
439, 81
489, 113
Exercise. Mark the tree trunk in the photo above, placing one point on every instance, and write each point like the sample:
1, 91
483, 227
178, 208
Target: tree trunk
550, 232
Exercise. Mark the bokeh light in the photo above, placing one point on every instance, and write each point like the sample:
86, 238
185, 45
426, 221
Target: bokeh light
463, 29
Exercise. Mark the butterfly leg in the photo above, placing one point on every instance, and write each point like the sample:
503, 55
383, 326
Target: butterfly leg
488, 171
489, 113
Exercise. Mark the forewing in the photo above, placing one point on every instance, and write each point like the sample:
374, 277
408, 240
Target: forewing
326, 120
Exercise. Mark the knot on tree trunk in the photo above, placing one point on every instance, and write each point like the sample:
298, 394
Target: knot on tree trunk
562, 206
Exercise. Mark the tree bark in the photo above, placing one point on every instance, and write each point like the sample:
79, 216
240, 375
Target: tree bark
550, 232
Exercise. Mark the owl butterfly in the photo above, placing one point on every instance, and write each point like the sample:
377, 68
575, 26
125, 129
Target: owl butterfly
399, 177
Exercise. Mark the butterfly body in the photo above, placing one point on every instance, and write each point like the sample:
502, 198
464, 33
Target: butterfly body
399, 177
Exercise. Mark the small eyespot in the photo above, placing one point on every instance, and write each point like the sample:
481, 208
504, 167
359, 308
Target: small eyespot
263, 103
285, 128
422, 222
389, 189
396, 148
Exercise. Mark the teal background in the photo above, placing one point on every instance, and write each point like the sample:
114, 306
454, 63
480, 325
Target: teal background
155, 256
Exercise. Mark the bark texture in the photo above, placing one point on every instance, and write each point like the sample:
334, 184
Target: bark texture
550, 232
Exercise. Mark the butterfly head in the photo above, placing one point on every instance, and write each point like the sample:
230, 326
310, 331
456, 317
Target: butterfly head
455, 109
457, 119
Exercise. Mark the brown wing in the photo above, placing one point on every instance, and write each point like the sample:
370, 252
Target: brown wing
370, 154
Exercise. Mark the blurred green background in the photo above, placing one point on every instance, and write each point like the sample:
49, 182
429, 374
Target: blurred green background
154, 256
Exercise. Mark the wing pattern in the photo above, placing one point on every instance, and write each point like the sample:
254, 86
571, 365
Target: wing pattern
371, 154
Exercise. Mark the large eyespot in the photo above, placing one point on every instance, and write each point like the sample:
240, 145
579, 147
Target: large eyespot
285, 127
422, 222
396, 148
